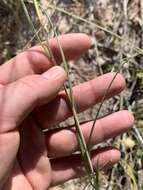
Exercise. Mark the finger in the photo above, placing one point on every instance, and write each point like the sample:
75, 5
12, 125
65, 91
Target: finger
18, 99
86, 95
16, 179
36, 61
105, 128
71, 167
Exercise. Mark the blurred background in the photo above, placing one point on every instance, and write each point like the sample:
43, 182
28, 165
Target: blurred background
116, 29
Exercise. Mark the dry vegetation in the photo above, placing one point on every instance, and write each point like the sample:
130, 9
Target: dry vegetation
120, 38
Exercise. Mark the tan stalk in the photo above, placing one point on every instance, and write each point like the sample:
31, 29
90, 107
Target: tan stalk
80, 137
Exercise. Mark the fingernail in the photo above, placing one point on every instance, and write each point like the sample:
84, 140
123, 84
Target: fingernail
54, 73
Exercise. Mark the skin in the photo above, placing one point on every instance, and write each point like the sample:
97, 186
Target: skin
30, 93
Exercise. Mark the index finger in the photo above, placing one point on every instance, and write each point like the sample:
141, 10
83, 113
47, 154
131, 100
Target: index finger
35, 60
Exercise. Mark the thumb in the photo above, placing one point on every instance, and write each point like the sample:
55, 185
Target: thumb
18, 99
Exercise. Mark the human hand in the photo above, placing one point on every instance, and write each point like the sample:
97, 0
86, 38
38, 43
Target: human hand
30, 95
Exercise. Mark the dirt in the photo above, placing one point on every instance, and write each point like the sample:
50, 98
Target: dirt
106, 54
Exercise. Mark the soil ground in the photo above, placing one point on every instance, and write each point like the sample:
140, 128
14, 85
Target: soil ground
125, 19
